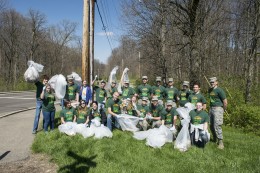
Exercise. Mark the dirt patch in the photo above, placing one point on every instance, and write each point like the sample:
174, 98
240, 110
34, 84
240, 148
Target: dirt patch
36, 163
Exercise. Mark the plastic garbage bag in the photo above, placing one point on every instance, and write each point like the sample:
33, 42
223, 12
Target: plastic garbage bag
96, 122
68, 128
58, 83
141, 135
128, 122
88, 132
79, 128
124, 77
102, 131
32, 73
77, 78
112, 77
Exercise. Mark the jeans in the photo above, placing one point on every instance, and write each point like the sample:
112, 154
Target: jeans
37, 114
110, 119
48, 120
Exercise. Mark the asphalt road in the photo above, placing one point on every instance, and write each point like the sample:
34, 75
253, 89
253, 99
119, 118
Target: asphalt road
15, 101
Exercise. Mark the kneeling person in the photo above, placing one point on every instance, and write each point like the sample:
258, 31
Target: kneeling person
156, 113
113, 109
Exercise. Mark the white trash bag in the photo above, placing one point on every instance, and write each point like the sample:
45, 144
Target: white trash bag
68, 128
128, 122
58, 83
88, 132
32, 73
77, 78
141, 135
102, 131
79, 128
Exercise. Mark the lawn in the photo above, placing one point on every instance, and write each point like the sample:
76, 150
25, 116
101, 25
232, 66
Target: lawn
123, 153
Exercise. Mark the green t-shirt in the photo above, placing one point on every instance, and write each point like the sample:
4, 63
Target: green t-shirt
127, 92
198, 117
39, 87
68, 114
171, 94
184, 95
111, 92
197, 97
130, 111
71, 91
144, 91
114, 105
101, 94
82, 114
144, 109
157, 111
159, 91
169, 115
48, 102
216, 95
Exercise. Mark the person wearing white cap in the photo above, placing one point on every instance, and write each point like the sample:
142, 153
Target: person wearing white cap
156, 113
72, 91
184, 93
171, 93
101, 93
144, 90
196, 96
218, 103
127, 91
158, 90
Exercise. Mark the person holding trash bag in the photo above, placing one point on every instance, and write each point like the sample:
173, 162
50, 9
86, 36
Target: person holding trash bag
99, 114
82, 113
154, 118
72, 91
40, 86
48, 108
218, 103
127, 91
113, 108
199, 126
68, 113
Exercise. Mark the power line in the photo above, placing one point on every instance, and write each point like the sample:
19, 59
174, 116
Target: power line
104, 28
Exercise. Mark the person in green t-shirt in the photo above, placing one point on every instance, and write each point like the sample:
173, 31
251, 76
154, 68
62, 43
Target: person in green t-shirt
184, 93
131, 107
143, 109
68, 113
94, 112
159, 90
199, 117
112, 89
72, 90
113, 109
171, 93
101, 94
48, 108
156, 112
196, 96
82, 113
144, 90
170, 117
127, 91
39, 88
218, 104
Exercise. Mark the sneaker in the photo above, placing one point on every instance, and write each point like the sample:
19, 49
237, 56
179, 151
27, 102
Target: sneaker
34, 132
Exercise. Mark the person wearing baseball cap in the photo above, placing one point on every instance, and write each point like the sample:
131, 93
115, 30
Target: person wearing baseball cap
127, 91
158, 90
184, 93
101, 93
72, 91
143, 109
171, 93
112, 88
218, 104
144, 90
156, 113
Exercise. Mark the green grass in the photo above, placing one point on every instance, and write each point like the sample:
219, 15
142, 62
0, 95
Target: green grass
123, 153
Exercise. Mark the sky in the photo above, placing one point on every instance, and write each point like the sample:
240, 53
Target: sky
72, 10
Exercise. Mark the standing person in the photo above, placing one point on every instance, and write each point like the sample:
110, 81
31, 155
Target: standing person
39, 88
159, 90
196, 96
99, 114
85, 93
199, 124
171, 93
184, 93
112, 89
72, 91
68, 113
127, 91
113, 109
218, 103
101, 94
82, 113
144, 90
48, 108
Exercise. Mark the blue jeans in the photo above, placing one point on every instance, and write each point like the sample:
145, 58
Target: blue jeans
37, 114
110, 120
48, 120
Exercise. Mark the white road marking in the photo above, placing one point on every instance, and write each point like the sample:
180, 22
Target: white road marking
17, 98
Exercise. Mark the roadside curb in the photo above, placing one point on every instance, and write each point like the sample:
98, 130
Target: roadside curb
15, 112
16, 91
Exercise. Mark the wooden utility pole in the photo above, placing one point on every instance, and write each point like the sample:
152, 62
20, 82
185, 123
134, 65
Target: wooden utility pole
92, 20
85, 42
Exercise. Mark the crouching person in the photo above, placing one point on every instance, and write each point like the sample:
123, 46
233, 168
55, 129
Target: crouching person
143, 109
113, 109
96, 113
199, 126
156, 113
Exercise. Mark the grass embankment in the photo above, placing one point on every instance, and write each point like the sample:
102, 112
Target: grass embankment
123, 153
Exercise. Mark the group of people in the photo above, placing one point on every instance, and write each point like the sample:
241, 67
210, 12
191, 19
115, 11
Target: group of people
154, 105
